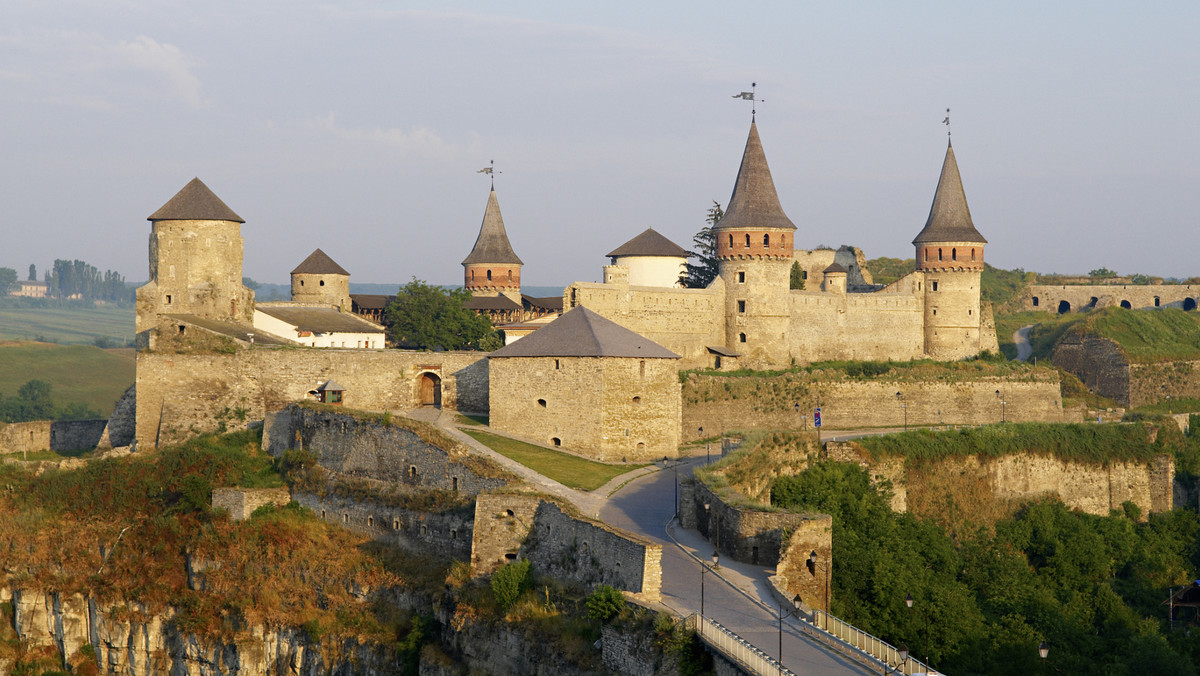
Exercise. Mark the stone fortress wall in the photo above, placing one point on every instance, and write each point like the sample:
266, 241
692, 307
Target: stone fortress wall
179, 395
241, 502
1072, 298
446, 533
858, 326
509, 527
46, 435
1103, 367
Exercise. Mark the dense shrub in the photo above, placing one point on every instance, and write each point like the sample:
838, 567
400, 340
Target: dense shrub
605, 603
509, 582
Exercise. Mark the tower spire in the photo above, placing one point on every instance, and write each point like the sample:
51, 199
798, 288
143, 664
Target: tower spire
752, 98
754, 202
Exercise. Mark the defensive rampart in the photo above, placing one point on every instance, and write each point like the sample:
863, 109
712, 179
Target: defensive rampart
47, 435
719, 403
179, 395
882, 325
1070, 298
241, 502
443, 533
510, 527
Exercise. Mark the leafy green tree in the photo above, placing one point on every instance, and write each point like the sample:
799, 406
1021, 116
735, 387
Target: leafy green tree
605, 603
509, 582
797, 277
250, 284
1102, 273
32, 272
425, 317
700, 274
8, 280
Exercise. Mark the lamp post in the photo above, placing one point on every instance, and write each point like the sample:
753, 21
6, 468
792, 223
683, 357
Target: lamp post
704, 569
903, 405
794, 611
707, 445
1003, 403
675, 469
902, 653
812, 561
908, 601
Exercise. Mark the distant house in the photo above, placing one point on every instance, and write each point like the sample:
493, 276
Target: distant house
30, 289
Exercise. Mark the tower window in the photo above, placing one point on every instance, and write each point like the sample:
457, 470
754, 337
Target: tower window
302, 282
542, 403
747, 240
741, 337
741, 278
741, 306
321, 283
168, 299
731, 241
935, 285
556, 365
972, 253
637, 400
767, 240
489, 275
510, 275
954, 254
939, 256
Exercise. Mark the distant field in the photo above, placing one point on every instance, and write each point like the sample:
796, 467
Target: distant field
76, 373
67, 324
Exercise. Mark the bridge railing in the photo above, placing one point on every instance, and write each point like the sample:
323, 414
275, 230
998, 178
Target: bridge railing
735, 648
854, 642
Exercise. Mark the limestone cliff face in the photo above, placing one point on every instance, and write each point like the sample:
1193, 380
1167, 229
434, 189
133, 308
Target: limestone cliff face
129, 640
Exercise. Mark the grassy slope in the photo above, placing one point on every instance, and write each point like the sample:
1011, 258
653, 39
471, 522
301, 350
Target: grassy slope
1148, 336
76, 373
567, 469
67, 324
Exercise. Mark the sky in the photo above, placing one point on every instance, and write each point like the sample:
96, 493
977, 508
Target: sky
359, 127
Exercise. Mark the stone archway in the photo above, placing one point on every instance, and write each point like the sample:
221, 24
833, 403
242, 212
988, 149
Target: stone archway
1189, 303
1127, 305
430, 387
1063, 307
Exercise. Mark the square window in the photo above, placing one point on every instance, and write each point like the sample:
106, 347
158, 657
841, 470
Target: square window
741, 306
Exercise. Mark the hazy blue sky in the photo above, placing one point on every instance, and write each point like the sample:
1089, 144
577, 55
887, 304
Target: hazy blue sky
358, 127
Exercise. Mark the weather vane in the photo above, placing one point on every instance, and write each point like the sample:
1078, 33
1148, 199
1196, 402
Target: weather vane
490, 170
749, 96
947, 122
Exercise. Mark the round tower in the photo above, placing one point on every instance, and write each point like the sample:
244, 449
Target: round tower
754, 246
492, 268
320, 281
949, 253
195, 261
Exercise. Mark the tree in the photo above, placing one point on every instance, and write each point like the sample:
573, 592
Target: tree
797, 277
32, 272
700, 274
250, 284
1102, 273
425, 317
8, 280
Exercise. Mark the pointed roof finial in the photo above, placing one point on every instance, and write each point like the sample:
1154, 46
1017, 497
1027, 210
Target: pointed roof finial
947, 123
749, 96
490, 170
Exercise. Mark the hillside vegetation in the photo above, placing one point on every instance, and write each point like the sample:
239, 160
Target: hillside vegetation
77, 374
67, 322
1145, 335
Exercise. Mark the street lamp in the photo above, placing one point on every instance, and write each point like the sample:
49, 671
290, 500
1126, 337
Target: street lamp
812, 565
795, 611
704, 569
675, 469
902, 653
908, 601
903, 405
1044, 650
1002, 405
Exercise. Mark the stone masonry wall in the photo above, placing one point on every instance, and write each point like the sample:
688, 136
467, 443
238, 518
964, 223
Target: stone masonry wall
795, 575
371, 450
445, 534
590, 553
855, 326
1151, 383
748, 535
25, 437
47, 435
241, 502
719, 403
180, 394
1049, 296
1098, 362
122, 424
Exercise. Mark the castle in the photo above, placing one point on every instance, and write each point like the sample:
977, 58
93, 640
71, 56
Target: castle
601, 379
750, 317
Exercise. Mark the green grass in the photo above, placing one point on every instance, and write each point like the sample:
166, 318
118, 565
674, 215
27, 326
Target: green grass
473, 420
77, 373
1148, 336
566, 469
1047, 328
69, 324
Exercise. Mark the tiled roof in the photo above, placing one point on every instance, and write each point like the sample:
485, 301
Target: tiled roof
492, 245
491, 303
835, 267
195, 203
320, 319
949, 218
754, 202
230, 329
319, 263
370, 301
650, 243
583, 333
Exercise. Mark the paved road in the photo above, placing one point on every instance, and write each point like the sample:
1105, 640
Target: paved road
1021, 338
644, 506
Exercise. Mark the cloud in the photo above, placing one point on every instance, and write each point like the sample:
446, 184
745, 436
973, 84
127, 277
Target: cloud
91, 71
419, 141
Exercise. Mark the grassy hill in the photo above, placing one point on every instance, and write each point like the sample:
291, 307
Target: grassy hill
1146, 336
66, 323
77, 373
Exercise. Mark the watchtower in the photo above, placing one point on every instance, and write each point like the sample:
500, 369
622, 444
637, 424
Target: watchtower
754, 247
320, 281
195, 261
949, 252
493, 268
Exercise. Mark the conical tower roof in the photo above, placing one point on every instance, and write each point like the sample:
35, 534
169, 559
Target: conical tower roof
492, 245
195, 203
583, 333
754, 203
949, 218
319, 263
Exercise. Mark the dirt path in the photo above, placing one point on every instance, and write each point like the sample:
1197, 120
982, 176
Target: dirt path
1021, 338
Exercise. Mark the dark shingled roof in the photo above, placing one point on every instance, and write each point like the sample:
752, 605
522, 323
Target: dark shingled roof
949, 218
650, 243
583, 333
492, 245
319, 263
232, 329
321, 319
835, 267
371, 301
491, 303
330, 386
195, 203
754, 203
544, 303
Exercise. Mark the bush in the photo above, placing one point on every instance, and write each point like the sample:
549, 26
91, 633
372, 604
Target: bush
605, 603
509, 582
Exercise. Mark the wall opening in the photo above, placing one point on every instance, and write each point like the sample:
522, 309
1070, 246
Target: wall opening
1093, 301
939, 254
395, 524
637, 400
747, 240
1035, 301
489, 275
542, 403
741, 278
321, 283
1157, 301
935, 285
954, 254
642, 368
741, 337
1189, 303
454, 484
741, 306
511, 556
1063, 307
370, 521
424, 530
509, 512
430, 390
556, 441
412, 471
453, 533
766, 240
1126, 304
641, 446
